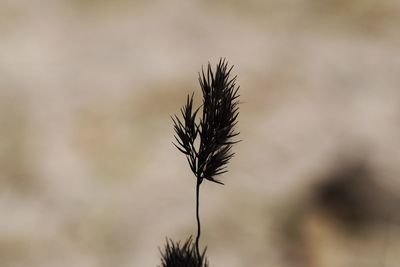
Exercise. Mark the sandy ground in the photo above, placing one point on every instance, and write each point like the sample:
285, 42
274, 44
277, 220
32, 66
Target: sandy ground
89, 176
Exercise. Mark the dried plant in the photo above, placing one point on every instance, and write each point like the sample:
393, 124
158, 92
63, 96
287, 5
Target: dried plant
207, 141
185, 256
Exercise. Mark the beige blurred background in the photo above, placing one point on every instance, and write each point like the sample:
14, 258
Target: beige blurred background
89, 176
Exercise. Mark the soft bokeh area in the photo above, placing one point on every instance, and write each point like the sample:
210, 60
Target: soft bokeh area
88, 173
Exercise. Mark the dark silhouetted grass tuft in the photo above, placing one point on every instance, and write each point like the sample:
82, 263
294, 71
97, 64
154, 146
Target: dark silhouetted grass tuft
175, 255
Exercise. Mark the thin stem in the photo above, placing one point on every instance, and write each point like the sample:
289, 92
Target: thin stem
198, 217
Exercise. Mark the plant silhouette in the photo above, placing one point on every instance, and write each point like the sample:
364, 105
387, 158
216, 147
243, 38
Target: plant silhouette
207, 141
176, 255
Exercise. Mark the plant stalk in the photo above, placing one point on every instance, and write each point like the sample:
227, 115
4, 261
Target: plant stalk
198, 217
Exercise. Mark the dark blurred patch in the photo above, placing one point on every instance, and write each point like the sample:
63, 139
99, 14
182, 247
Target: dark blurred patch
344, 195
350, 195
347, 202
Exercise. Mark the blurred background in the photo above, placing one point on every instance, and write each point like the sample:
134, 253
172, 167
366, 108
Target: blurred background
88, 173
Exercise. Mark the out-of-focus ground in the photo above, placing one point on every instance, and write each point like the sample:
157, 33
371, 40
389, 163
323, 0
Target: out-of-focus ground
89, 176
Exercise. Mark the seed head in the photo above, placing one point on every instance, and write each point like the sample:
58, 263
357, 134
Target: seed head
215, 128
